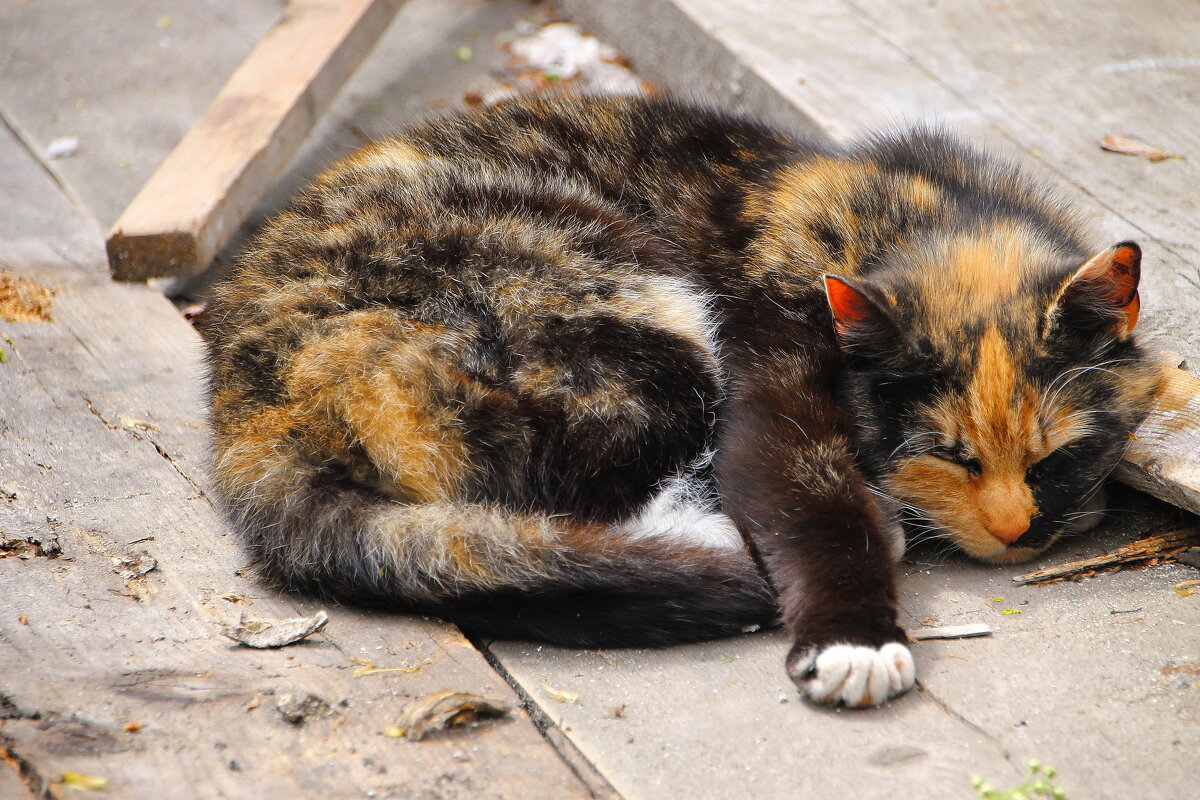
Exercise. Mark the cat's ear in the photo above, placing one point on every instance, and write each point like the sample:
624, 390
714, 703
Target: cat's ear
1103, 293
860, 321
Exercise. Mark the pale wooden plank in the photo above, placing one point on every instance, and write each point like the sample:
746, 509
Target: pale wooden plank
1164, 459
127, 79
721, 720
213, 178
71, 457
1065, 681
101, 443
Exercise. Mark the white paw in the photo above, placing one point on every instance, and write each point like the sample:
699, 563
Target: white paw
853, 675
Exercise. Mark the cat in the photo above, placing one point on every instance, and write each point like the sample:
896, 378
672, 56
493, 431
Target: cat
609, 372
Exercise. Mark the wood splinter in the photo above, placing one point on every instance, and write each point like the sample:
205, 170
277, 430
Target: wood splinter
1158, 545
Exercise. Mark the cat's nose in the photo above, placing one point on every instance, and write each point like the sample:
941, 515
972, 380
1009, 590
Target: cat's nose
1008, 530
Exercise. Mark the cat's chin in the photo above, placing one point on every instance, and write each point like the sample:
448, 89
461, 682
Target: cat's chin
1007, 555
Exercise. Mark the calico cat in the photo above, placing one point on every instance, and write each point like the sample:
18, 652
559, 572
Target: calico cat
611, 372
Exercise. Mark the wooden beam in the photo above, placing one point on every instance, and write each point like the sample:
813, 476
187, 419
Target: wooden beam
1164, 459
209, 183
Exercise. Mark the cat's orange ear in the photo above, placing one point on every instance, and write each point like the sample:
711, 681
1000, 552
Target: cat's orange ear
853, 311
1104, 291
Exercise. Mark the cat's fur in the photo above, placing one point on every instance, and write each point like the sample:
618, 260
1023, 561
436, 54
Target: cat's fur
535, 367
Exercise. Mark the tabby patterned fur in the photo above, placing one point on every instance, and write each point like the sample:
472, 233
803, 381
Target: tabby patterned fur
627, 372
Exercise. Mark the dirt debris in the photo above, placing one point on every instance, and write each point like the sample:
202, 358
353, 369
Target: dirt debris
445, 710
299, 710
24, 300
263, 633
1165, 543
42, 545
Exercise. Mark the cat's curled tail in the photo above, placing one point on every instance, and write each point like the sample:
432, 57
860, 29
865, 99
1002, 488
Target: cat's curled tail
506, 573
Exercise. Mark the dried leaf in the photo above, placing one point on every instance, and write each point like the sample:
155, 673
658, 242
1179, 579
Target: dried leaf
561, 695
88, 783
135, 566
368, 668
44, 545
1132, 146
1008, 612
1186, 588
261, 633
442, 710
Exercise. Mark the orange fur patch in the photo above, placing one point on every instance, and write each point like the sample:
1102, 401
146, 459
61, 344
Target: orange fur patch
377, 375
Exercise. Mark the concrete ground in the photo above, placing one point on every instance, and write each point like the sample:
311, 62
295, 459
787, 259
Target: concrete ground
1100, 678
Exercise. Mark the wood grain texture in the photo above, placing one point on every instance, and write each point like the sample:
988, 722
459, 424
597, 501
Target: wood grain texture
1164, 458
102, 444
101, 429
244, 139
1159, 545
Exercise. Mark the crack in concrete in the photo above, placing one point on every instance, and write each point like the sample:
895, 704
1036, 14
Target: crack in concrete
945, 708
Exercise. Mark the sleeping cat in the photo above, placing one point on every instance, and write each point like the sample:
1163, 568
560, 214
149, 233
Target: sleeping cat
614, 372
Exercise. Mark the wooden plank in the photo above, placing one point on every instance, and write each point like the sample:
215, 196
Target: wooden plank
721, 720
246, 136
102, 444
986, 706
1164, 459
85, 459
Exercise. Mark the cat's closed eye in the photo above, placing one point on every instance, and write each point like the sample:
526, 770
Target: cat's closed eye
959, 457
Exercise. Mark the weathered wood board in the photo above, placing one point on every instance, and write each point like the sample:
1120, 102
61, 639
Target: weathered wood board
1108, 698
1164, 458
101, 446
197, 198
138, 75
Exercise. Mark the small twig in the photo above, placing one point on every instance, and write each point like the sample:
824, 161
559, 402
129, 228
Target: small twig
1159, 545
951, 632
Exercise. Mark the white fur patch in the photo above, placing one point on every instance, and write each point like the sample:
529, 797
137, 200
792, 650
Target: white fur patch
685, 512
854, 675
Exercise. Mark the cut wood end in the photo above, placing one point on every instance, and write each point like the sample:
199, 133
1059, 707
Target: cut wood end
139, 257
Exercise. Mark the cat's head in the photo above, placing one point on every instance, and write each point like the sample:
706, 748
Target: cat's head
993, 383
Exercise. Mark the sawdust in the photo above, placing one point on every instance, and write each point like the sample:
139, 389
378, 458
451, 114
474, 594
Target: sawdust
23, 300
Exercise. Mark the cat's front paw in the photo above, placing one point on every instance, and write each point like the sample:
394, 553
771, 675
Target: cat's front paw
856, 676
